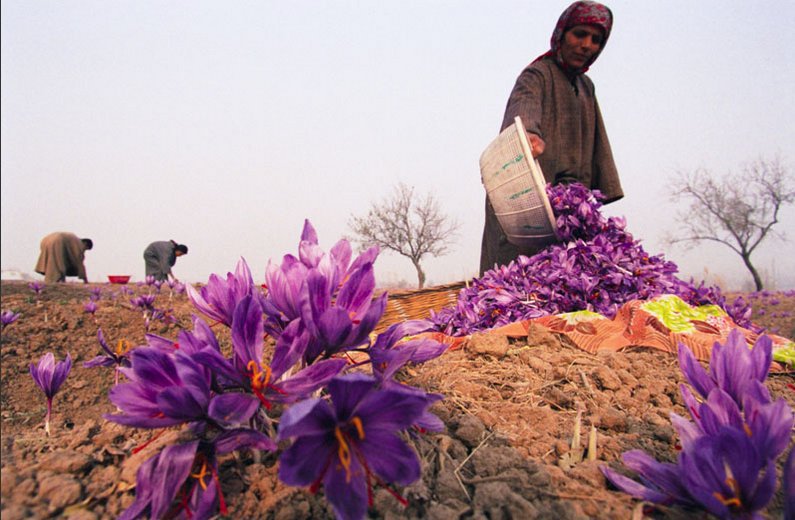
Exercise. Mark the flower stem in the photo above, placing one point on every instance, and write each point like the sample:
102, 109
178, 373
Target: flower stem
47, 417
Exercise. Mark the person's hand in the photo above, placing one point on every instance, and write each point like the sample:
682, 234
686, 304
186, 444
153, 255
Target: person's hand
537, 144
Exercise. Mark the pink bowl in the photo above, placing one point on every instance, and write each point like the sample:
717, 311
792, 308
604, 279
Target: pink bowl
119, 278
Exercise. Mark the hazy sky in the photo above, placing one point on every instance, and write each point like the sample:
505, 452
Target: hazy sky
223, 125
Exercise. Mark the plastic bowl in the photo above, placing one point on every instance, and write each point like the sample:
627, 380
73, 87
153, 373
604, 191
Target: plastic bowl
119, 278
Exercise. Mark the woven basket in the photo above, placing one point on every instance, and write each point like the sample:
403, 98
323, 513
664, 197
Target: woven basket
517, 190
417, 304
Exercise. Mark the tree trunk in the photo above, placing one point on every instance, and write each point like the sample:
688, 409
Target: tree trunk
420, 274
754, 273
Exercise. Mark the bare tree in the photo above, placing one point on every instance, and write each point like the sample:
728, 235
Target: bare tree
412, 227
738, 211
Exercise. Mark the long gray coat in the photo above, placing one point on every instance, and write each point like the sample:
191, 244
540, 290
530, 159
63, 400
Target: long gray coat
159, 258
565, 114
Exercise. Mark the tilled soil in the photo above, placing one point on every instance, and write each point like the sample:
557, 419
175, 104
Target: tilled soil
511, 411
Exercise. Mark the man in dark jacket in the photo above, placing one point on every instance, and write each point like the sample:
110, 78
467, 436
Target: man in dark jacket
160, 257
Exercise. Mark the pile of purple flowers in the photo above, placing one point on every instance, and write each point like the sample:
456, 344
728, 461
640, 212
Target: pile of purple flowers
727, 462
597, 265
342, 426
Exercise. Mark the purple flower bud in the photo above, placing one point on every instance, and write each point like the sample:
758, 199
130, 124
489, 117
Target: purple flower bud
8, 317
49, 376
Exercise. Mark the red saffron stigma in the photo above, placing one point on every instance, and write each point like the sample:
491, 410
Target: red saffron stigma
147, 443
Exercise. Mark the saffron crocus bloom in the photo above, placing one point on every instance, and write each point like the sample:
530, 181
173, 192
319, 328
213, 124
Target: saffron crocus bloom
36, 287
145, 301
90, 307
726, 476
49, 376
286, 283
117, 359
721, 473
8, 317
347, 443
217, 299
789, 486
188, 473
345, 322
388, 355
733, 367
247, 369
166, 389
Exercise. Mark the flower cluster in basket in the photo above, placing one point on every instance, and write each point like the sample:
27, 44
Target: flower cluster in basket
341, 423
727, 462
597, 265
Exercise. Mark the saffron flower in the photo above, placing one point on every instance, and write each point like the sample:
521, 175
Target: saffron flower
345, 322
217, 300
49, 376
8, 317
36, 287
733, 367
727, 462
388, 353
347, 444
90, 307
789, 485
96, 293
145, 301
166, 389
188, 475
120, 358
248, 371
286, 283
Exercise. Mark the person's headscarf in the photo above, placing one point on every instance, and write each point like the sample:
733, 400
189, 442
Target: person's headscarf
579, 13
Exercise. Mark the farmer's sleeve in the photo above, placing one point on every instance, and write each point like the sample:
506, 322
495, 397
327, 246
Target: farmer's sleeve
605, 173
77, 254
526, 100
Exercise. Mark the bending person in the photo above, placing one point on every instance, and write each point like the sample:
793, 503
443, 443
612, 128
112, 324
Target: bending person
160, 257
557, 104
63, 254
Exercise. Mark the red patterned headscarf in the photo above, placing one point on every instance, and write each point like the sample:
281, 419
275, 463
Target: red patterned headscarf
580, 13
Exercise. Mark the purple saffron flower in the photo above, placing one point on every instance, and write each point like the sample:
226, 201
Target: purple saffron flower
8, 317
119, 358
166, 389
36, 287
343, 323
96, 293
722, 473
286, 283
188, 474
733, 367
49, 376
789, 486
661, 482
247, 369
351, 440
388, 354
90, 307
727, 462
217, 299
145, 301
719, 473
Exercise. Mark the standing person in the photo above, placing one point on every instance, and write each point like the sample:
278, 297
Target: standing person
63, 254
557, 104
160, 257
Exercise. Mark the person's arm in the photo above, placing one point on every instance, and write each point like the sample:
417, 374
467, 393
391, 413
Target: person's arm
526, 101
78, 259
